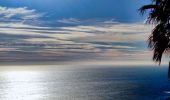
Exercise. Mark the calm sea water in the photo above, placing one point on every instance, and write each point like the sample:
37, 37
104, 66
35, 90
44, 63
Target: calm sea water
106, 83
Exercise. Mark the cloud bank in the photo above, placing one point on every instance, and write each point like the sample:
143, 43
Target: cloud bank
74, 41
116, 42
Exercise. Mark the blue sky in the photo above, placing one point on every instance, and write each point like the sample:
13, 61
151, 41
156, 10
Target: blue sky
105, 31
120, 10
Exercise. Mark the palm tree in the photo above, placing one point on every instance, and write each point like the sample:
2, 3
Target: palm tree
159, 15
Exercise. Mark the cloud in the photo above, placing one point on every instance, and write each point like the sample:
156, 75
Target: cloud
74, 21
111, 21
21, 13
69, 21
107, 41
134, 32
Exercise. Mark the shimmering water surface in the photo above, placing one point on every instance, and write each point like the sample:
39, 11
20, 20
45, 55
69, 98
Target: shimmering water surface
106, 83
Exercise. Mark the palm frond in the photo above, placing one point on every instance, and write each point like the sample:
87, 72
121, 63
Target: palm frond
159, 14
159, 41
146, 7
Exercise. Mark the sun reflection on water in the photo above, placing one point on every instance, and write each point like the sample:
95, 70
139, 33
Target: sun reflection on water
20, 85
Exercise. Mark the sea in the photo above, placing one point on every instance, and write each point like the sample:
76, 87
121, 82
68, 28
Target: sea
85, 83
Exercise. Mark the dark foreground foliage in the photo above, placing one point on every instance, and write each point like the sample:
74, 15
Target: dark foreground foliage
159, 14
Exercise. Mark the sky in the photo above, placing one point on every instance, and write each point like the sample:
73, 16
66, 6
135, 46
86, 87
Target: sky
74, 31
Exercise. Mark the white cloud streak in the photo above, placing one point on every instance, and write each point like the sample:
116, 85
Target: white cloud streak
69, 21
22, 13
107, 41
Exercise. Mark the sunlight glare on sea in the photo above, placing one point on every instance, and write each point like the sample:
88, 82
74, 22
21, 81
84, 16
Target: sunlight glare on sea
103, 83
20, 85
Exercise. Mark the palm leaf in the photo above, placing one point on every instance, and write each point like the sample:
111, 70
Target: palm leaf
159, 41
146, 7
